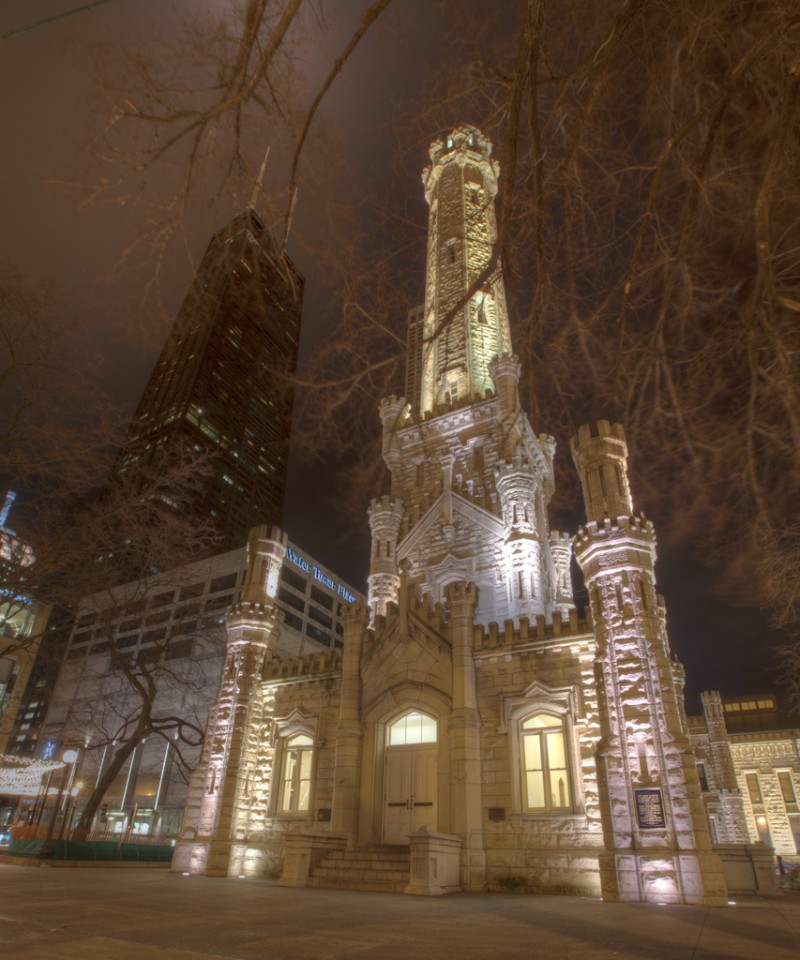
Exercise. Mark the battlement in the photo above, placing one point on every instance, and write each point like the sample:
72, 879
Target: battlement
309, 667
425, 609
385, 504
560, 539
355, 613
450, 406
246, 610
626, 526
507, 469
603, 429
539, 631
506, 365
459, 592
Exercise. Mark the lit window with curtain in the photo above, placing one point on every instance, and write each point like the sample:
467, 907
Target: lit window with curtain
546, 784
295, 795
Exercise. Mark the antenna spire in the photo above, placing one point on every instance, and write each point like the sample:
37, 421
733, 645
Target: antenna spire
259, 182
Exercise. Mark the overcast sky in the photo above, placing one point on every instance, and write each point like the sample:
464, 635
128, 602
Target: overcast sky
47, 234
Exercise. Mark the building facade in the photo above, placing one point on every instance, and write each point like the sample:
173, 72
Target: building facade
748, 756
171, 626
474, 732
223, 384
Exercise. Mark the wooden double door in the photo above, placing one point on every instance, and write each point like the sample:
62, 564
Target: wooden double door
409, 791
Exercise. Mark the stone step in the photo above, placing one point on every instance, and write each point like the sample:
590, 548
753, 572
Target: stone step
380, 870
365, 886
364, 863
357, 873
371, 855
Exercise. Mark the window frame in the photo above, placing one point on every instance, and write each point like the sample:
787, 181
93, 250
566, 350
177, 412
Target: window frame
295, 780
286, 729
542, 735
561, 703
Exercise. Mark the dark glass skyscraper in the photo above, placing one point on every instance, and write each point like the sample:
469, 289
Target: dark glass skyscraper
224, 381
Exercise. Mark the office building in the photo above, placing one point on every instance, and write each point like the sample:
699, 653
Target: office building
223, 384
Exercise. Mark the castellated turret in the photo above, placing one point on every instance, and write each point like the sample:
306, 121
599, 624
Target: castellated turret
265, 552
601, 460
517, 487
385, 514
561, 550
660, 847
216, 813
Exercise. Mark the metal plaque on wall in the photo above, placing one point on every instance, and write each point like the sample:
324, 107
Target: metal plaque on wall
650, 808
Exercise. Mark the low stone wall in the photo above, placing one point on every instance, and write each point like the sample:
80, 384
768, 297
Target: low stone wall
749, 868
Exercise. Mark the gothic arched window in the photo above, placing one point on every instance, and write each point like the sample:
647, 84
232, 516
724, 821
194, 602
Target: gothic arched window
546, 784
295, 794
413, 727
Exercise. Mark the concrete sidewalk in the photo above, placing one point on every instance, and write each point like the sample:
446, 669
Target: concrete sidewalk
108, 914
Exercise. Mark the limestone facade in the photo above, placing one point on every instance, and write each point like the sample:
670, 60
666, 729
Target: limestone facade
472, 715
748, 752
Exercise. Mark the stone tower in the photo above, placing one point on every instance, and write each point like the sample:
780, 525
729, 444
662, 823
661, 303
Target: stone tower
471, 482
473, 728
657, 846
466, 319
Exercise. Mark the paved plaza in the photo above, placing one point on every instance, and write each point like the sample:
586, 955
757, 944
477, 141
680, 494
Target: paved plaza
115, 913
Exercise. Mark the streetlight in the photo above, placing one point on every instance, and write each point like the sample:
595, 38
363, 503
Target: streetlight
69, 810
70, 758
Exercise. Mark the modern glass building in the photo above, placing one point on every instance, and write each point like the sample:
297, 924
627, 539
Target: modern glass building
223, 384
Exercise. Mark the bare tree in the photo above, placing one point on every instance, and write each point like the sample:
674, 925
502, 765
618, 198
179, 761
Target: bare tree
82, 526
185, 129
649, 236
648, 232
158, 692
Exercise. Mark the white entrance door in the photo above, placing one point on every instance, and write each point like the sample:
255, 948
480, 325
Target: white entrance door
409, 791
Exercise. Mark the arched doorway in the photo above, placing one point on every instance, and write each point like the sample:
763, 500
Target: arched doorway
409, 777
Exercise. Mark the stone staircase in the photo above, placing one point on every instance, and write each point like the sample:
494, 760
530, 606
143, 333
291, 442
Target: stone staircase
377, 869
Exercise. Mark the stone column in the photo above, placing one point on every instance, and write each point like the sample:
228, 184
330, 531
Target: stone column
350, 730
214, 821
466, 811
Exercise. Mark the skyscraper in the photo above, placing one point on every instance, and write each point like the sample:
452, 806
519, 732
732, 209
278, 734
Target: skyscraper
223, 384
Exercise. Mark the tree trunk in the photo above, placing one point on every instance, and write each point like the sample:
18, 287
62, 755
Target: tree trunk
108, 776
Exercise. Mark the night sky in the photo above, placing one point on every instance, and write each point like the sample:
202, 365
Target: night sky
48, 234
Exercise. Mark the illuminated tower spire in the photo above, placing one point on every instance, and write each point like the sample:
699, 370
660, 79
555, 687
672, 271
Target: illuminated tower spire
463, 330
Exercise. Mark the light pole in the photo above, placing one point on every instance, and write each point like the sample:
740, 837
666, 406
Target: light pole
70, 758
69, 811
